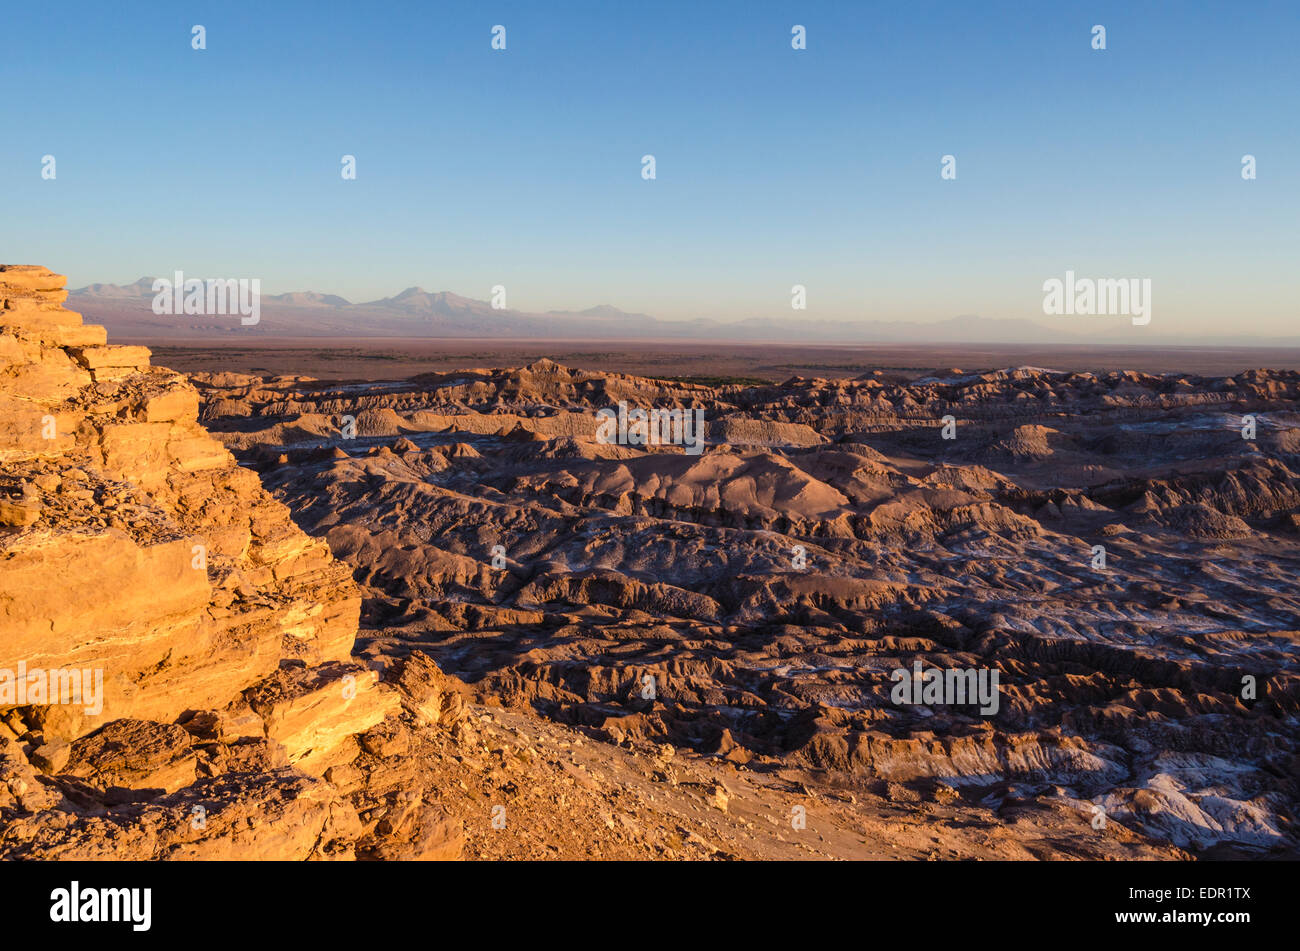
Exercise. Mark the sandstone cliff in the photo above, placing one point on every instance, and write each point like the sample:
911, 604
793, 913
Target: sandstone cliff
176, 675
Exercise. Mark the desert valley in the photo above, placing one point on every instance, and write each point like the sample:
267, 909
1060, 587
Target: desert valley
696, 468
437, 614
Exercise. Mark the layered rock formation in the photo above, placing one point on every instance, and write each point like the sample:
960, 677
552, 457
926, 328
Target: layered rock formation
172, 647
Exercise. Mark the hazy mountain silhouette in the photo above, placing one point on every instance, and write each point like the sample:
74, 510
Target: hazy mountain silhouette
126, 309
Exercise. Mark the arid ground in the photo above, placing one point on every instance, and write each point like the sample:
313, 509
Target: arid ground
408, 601
1112, 543
353, 358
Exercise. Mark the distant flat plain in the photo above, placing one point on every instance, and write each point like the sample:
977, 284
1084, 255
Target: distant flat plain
388, 358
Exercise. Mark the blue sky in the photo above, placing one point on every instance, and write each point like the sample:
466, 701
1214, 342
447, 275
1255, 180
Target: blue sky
775, 166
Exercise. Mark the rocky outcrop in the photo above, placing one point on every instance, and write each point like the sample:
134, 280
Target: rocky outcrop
168, 636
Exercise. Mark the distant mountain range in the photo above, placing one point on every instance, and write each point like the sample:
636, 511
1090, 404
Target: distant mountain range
126, 310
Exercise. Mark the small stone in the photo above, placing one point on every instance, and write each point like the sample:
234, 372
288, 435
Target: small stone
719, 798
19, 514
51, 757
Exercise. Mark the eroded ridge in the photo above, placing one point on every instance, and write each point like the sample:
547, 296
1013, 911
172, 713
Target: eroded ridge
1119, 548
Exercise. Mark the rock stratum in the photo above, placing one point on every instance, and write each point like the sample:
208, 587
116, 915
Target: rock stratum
441, 617
176, 670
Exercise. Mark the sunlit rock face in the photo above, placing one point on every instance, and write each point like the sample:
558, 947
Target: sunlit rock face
179, 638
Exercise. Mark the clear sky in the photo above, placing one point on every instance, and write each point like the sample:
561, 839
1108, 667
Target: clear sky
774, 166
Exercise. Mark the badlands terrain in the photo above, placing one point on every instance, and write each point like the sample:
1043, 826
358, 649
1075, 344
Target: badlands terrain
437, 617
1122, 680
